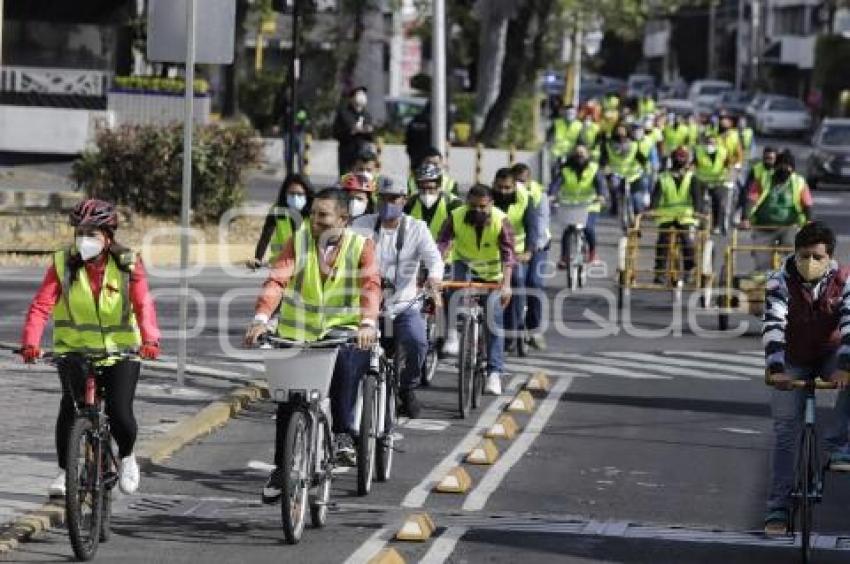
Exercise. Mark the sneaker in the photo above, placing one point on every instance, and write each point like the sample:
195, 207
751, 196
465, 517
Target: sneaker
274, 487
591, 257
776, 523
345, 452
410, 406
128, 478
839, 462
451, 347
494, 384
57, 486
538, 342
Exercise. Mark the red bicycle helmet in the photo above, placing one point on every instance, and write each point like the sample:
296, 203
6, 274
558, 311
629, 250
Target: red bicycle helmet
94, 213
355, 182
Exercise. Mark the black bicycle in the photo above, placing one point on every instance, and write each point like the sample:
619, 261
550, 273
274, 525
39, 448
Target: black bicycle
91, 464
809, 473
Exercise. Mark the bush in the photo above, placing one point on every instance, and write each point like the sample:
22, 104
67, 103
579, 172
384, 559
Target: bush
157, 85
519, 129
258, 98
141, 166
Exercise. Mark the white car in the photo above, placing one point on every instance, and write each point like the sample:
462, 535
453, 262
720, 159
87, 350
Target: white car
781, 114
704, 94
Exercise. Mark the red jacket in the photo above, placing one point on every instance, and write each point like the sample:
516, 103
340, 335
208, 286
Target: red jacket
51, 290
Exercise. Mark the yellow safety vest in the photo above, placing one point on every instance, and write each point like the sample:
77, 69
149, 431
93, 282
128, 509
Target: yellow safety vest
484, 258
747, 139
676, 203
580, 190
796, 183
310, 306
516, 214
282, 232
441, 214
83, 325
646, 107
566, 135
711, 170
675, 137
732, 142
625, 165
762, 175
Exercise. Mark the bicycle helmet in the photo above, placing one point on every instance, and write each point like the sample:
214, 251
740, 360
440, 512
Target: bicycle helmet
94, 213
681, 156
357, 182
428, 172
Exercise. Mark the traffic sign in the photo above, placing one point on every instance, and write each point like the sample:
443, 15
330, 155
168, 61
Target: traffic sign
215, 27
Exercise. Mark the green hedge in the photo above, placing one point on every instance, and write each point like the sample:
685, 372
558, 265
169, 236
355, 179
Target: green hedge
258, 99
832, 52
153, 84
141, 167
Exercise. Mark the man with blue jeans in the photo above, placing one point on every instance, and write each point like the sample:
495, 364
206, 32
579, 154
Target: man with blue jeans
806, 334
482, 241
403, 245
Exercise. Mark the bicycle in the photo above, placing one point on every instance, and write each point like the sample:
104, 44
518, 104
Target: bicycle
809, 474
91, 464
309, 457
623, 201
472, 364
575, 219
432, 358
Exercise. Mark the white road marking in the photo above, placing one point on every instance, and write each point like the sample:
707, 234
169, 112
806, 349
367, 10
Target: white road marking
371, 547
629, 369
260, 466
530, 366
705, 365
726, 358
476, 500
741, 431
443, 546
426, 425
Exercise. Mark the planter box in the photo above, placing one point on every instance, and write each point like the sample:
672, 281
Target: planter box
146, 108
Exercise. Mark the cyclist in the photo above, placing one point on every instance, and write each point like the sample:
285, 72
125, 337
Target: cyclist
779, 208
431, 204
590, 135
526, 221
647, 147
759, 172
565, 132
366, 163
674, 199
97, 293
711, 173
483, 245
360, 189
447, 183
325, 278
675, 133
284, 218
403, 245
581, 180
610, 112
807, 311
623, 157
539, 251
646, 105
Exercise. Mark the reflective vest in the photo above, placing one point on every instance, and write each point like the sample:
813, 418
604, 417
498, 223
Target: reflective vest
625, 165
762, 174
645, 147
732, 142
83, 325
675, 204
711, 169
646, 106
516, 215
610, 118
693, 134
282, 232
781, 205
539, 198
484, 258
310, 306
441, 214
577, 189
566, 136
447, 185
747, 139
675, 136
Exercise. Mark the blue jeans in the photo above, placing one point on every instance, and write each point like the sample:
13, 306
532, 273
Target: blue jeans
787, 409
408, 334
494, 316
515, 312
640, 193
293, 143
534, 280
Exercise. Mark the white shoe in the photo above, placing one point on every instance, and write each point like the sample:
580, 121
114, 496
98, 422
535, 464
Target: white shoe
128, 479
451, 347
57, 486
494, 384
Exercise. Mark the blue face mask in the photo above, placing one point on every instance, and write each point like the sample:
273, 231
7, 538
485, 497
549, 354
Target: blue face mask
296, 201
387, 211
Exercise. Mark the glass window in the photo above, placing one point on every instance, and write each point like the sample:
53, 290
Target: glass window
787, 105
836, 135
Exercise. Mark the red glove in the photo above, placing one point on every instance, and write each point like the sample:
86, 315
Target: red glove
149, 351
30, 353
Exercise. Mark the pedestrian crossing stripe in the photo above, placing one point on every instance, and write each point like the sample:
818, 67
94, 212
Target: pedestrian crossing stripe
704, 365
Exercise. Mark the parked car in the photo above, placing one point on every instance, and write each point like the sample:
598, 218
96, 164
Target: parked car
733, 102
781, 114
705, 93
679, 106
677, 89
638, 85
829, 162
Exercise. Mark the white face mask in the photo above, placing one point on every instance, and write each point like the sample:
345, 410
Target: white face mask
520, 185
360, 100
89, 247
357, 208
296, 201
429, 199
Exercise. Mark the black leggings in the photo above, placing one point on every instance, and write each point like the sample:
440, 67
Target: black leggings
120, 382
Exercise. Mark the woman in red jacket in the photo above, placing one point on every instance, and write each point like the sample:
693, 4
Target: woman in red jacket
92, 280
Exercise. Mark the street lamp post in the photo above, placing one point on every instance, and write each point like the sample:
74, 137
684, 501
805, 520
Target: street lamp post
294, 74
438, 77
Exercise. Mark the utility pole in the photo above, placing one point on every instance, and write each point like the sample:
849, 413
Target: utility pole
438, 77
712, 23
294, 74
755, 45
1, 34
572, 84
739, 47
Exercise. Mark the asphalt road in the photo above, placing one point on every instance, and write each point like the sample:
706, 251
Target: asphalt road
651, 447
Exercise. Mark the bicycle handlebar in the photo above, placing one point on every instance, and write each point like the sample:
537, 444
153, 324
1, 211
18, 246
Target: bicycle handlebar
819, 384
457, 285
291, 343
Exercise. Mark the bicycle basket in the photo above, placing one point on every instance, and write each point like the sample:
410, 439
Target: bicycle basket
574, 214
302, 372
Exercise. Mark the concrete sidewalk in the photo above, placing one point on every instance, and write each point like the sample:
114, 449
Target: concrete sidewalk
167, 417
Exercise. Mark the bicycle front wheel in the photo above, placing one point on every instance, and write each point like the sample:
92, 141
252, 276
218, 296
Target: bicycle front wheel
322, 495
296, 464
466, 366
366, 440
807, 484
479, 371
386, 443
83, 486
431, 357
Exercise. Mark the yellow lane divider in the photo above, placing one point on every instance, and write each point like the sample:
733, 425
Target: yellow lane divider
486, 452
538, 383
504, 428
418, 527
387, 556
522, 403
456, 481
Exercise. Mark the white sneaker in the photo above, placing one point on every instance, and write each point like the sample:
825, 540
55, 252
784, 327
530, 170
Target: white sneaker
128, 479
57, 486
451, 347
494, 384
